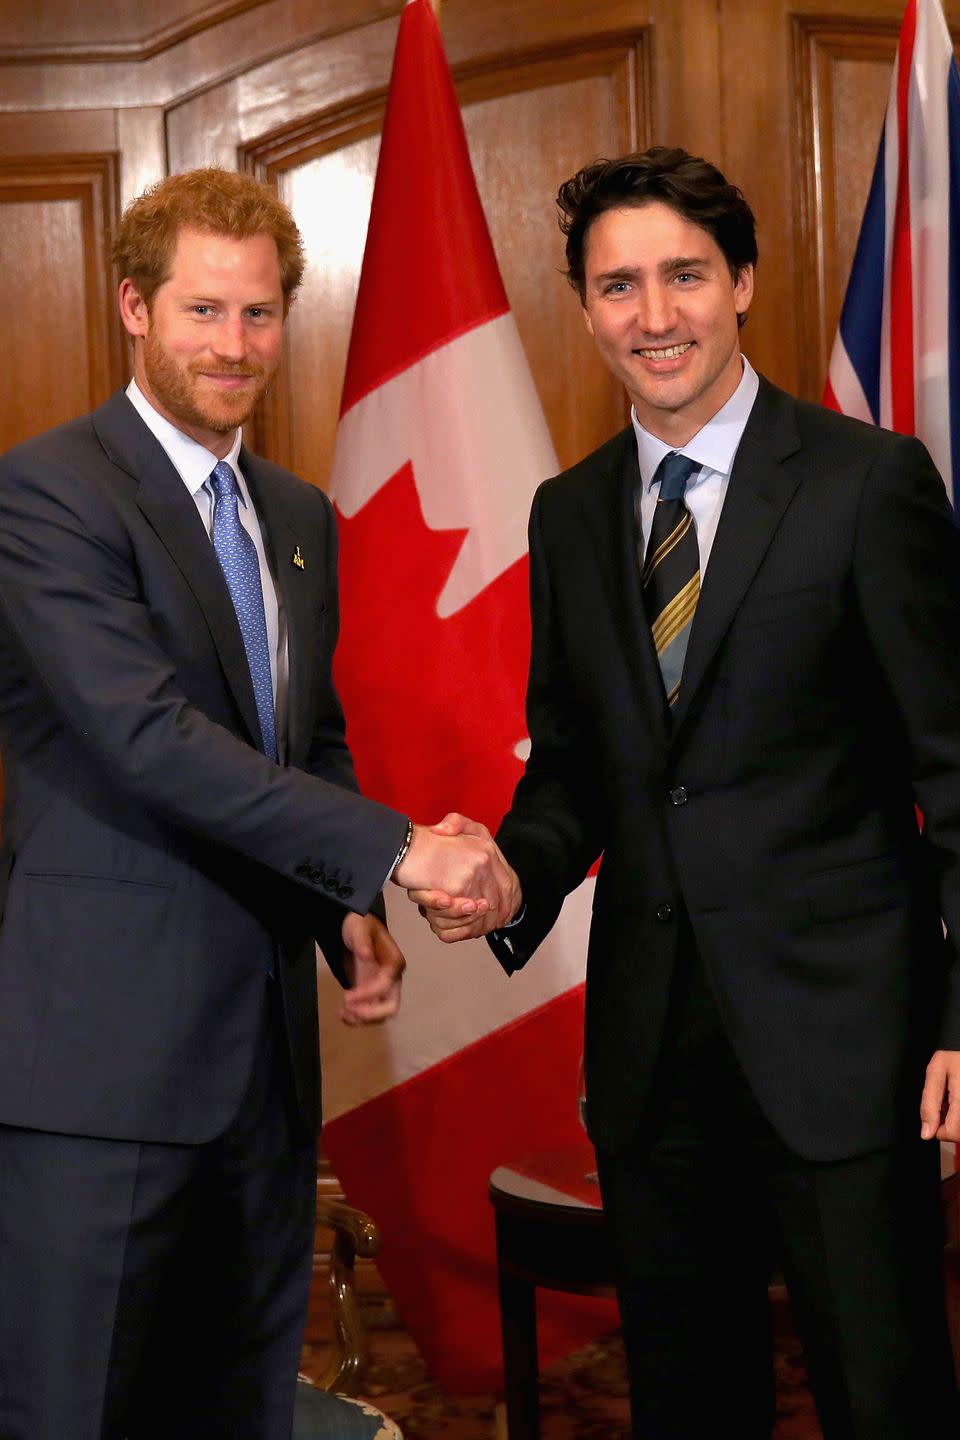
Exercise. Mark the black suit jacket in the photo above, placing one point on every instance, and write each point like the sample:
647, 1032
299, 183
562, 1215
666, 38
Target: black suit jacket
158, 863
820, 699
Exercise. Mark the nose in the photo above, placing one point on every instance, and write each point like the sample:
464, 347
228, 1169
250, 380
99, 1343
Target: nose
230, 339
656, 310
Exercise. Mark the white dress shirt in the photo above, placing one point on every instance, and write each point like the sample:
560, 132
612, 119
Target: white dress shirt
194, 464
714, 448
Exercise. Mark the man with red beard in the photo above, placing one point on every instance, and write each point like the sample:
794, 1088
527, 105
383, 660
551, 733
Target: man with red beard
181, 822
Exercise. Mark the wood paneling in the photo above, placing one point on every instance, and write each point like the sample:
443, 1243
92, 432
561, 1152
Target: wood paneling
64, 352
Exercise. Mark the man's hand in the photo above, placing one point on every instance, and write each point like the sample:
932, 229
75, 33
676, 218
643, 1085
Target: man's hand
458, 861
456, 917
374, 964
940, 1101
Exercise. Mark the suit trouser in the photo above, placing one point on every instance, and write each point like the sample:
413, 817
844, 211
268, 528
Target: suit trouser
151, 1290
703, 1203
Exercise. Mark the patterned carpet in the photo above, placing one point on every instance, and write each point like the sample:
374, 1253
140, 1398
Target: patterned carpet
582, 1398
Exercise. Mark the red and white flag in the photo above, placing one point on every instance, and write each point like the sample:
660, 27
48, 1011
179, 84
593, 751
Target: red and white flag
440, 447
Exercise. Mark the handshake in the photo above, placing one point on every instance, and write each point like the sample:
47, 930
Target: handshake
455, 873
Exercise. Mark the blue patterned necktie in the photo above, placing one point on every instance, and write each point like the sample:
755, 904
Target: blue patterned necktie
241, 570
671, 572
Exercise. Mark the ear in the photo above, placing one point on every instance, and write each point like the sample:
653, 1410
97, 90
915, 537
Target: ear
743, 289
586, 318
133, 309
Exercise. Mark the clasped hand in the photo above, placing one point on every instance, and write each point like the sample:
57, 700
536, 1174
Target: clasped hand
457, 875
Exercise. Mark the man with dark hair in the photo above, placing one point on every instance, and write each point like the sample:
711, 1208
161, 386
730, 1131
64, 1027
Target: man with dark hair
181, 821
745, 675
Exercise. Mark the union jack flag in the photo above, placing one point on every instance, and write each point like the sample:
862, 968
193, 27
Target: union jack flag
896, 357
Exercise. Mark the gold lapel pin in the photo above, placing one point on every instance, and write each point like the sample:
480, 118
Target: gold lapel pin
297, 559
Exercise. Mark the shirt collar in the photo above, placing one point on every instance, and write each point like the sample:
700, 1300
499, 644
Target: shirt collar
715, 446
192, 461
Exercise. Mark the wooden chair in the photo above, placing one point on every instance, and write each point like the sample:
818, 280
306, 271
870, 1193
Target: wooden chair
328, 1409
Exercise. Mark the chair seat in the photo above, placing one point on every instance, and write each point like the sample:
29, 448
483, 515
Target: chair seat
318, 1415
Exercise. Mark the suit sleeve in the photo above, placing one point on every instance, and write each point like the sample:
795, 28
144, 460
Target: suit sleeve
328, 757
72, 605
552, 833
907, 577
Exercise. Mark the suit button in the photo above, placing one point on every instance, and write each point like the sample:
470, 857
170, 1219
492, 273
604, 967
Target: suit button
678, 795
344, 891
664, 912
329, 883
304, 870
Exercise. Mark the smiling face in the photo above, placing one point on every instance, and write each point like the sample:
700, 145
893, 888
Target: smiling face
208, 344
662, 306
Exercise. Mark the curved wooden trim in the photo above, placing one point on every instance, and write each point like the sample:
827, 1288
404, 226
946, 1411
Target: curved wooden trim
137, 50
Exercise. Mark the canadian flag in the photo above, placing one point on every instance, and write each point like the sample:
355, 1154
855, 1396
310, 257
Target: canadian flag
440, 447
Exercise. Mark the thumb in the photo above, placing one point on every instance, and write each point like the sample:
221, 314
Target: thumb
931, 1101
451, 824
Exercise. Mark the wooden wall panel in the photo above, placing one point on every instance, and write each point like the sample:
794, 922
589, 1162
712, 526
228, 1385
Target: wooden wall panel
64, 337
843, 78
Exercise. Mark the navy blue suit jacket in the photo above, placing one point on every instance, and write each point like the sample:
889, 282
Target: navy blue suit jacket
157, 862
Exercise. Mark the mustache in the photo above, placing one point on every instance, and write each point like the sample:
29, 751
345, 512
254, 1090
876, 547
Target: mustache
240, 371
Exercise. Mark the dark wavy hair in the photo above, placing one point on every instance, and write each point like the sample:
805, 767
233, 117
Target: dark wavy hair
691, 186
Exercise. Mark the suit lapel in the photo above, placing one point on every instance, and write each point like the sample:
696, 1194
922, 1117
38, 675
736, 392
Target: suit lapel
609, 507
297, 588
759, 492
168, 506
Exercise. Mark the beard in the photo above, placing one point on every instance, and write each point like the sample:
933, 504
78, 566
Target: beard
180, 389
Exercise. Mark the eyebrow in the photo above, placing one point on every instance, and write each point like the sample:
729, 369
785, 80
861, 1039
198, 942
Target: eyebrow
217, 300
666, 267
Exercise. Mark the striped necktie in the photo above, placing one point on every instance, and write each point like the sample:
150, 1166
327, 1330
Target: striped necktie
241, 570
671, 571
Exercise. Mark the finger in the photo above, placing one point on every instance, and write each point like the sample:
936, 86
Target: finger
368, 999
931, 1101
375, 987
474, 930
442, 920
442, 903
370, 1013
459, 912
432, 899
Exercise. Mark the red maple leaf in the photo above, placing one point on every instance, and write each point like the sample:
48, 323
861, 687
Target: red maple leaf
434, 706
